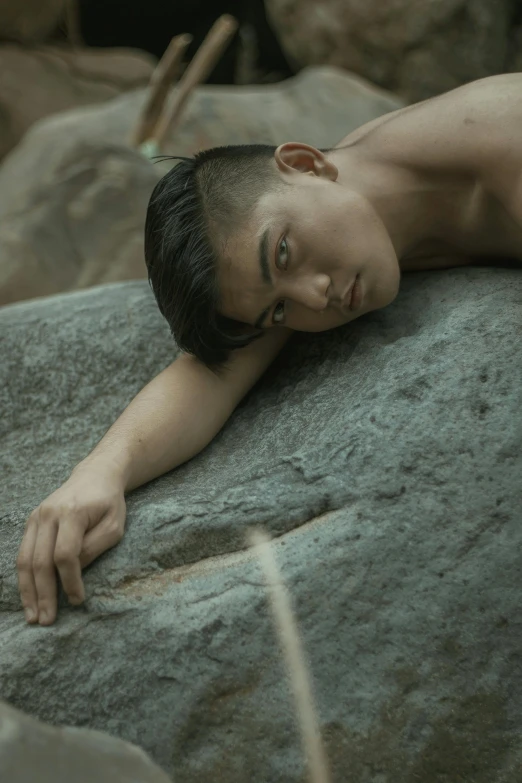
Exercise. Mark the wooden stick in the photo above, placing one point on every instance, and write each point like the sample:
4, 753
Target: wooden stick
161, 80
72, 23
199, 69
294, 657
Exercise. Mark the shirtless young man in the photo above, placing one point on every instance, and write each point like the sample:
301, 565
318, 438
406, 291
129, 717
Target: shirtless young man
249, 241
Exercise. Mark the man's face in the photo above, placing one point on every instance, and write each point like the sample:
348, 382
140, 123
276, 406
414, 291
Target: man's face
297, 259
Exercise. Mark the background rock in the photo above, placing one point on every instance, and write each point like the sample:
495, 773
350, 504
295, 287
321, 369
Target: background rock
417, 49
30, 752
73, 196
42, 80
385, 457
30, 20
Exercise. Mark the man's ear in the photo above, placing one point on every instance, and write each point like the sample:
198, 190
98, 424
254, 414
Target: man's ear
294, 156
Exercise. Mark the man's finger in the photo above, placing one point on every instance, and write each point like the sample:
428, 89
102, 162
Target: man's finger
43, 568
69, 542
106, 535
24, 566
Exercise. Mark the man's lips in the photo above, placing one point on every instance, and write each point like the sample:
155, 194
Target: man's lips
348, 295
356, 295
351, 299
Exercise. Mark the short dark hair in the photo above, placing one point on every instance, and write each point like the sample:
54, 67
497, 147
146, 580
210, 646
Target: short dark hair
199, 199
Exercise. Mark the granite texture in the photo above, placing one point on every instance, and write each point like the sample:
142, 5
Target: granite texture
385, 460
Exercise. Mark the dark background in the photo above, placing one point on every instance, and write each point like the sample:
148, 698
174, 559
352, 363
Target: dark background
150, 24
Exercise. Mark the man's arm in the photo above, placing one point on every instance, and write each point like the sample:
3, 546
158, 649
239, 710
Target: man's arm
173, 418
179, 412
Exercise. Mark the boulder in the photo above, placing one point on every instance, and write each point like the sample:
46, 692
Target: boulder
30, 20
31, 751
73, 195
417, 48
41, 80
384, 458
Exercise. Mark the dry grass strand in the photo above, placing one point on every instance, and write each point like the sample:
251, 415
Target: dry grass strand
288, 634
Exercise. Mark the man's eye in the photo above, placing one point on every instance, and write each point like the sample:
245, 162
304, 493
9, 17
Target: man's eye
282, 255
278, 316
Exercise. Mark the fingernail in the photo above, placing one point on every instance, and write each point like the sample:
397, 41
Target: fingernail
75, 599
30, 615
43, 616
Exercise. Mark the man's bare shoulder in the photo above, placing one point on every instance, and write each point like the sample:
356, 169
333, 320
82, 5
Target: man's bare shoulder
474, 127
469, 127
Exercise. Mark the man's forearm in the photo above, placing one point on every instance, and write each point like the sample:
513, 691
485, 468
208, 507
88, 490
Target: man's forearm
173, 418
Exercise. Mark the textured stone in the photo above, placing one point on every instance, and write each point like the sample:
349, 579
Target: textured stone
42, 80
73, 196
31, 752
416, 48
385, 458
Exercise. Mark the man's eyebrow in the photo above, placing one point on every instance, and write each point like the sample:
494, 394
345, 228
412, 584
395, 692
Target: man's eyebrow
264, 265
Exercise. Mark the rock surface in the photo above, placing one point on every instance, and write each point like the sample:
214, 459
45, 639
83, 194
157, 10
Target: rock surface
415, 48
42, 80
384, 457
31, 752
73, 196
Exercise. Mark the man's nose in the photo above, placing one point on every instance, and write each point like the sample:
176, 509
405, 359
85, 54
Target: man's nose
312, 292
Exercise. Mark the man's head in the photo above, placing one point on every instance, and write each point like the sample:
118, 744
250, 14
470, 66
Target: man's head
244, 238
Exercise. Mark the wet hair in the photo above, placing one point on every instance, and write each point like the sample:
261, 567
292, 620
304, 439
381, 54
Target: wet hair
193, 209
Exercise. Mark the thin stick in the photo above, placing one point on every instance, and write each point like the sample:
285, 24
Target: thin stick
294, 656
72, 23
166, 71
199, 69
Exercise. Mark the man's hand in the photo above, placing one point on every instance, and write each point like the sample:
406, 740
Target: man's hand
70, 529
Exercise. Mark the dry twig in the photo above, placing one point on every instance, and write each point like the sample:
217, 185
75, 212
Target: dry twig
72, 23
161, 80
199, 69
294, 657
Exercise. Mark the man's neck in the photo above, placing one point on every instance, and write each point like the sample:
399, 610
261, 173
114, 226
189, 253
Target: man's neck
419, 210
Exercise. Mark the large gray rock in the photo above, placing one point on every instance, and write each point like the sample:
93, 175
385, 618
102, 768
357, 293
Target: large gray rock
384, 457
73, 196
31, 752
417, 48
